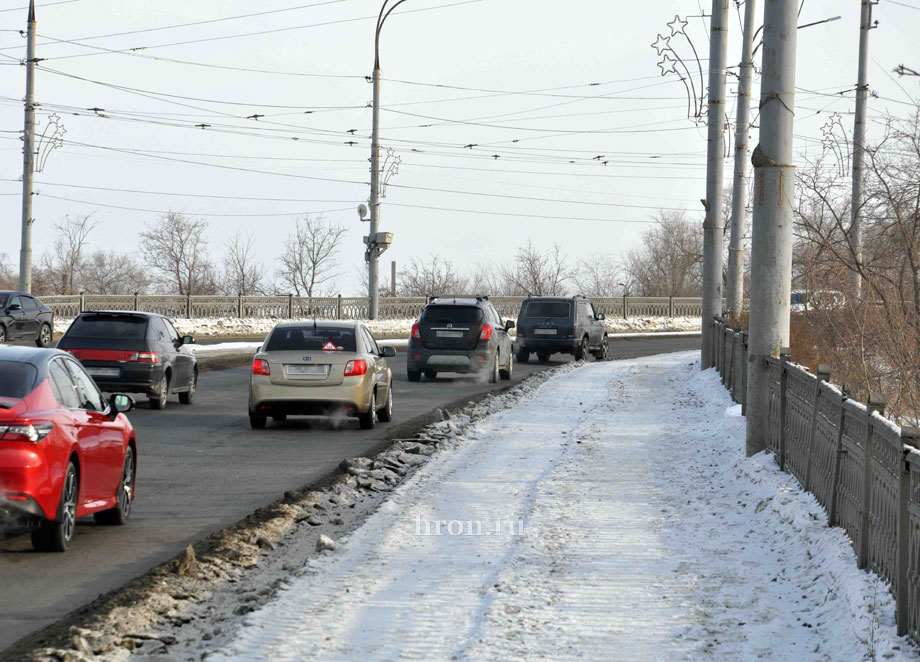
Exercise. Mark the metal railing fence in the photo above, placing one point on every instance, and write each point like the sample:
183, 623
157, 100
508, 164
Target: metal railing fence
862, 468
337, 307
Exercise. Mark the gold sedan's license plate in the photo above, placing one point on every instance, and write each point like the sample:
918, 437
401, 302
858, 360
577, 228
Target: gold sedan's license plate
307, 370
449, 334
545, 332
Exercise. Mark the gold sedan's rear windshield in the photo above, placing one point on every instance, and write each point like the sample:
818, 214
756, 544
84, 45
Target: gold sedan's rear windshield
299, 338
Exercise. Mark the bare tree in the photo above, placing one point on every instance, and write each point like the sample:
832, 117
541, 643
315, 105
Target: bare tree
536, 272
668, 262
243, 274
108, 272
599, 275
308, 261
58, 271
436, 276
176, 250
7, 275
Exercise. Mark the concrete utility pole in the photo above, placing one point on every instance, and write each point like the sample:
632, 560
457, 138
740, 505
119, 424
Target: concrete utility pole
774, 188
393, 278
859, 145
373, 249
28, 159
713, 227
735, 295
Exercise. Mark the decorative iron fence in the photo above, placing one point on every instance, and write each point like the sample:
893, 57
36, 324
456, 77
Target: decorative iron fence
862, 468
338, 307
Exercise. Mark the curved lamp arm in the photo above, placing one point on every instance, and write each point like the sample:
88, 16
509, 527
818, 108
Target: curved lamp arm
381, 18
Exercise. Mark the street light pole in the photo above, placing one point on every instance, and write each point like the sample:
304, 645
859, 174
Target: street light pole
28, 158
859, 147
372, 254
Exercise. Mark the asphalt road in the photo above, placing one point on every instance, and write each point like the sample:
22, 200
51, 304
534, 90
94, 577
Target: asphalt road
201, 468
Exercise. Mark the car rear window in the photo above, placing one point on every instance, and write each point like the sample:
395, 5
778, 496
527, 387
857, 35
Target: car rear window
16, 379
547, 309
124, 327
451, 315
300, 338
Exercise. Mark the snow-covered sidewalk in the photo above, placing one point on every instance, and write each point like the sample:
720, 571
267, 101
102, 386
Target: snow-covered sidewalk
619, 521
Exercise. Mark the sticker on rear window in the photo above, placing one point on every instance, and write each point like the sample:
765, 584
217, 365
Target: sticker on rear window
329, 347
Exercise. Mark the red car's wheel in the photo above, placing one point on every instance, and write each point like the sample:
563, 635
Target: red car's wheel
56, 536
118, 515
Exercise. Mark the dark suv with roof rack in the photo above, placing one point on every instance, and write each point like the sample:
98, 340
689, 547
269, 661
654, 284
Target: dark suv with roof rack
464, 334
566, 325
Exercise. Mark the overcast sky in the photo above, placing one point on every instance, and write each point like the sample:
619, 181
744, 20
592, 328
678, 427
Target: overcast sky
543, 86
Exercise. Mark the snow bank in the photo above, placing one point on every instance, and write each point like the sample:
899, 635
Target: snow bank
231, 326
637, 526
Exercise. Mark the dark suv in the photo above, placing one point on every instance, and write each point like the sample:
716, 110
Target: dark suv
134, 353
23, 317
460, 334
548, 325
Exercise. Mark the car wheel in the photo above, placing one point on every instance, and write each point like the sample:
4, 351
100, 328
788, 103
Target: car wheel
493, 373
2, 334
523, 356
160, 392
257, 422
386, 414
601, 354
118, 516
369, 420
506, 373
543, 356
414, 375
581, 352
431, 374
188, 396
56, 536
44, 336
279, 418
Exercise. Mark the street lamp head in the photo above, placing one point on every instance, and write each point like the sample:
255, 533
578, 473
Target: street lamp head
362, 211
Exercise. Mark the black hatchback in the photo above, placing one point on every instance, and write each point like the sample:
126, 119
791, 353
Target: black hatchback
568, 325
132, 352
23, 317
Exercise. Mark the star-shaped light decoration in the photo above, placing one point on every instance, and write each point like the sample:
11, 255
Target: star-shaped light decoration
677, 26
662, 44
667, 65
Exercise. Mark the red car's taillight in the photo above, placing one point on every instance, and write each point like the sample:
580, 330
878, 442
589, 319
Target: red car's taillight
415, 332
141, 357
486, 332
26, 430
355, 368
260, 367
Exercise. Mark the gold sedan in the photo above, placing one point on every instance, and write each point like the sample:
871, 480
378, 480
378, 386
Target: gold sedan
321, 369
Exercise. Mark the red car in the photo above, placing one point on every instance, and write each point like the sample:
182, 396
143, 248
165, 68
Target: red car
65, 452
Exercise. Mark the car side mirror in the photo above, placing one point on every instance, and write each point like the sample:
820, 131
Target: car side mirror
121, 403
509, 324
389, 352
12, 307
188, 340
600, 317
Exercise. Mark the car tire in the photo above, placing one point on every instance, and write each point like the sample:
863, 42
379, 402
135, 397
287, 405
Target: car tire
385, 415
543, 356
523, 356
188, 397
118, 516
279, 418
2, 334
601, 354
161, 391
581, 352
44, 336
493, 373
414, 375
431, 374
369, 419
507, 373
56, 536
257, 422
